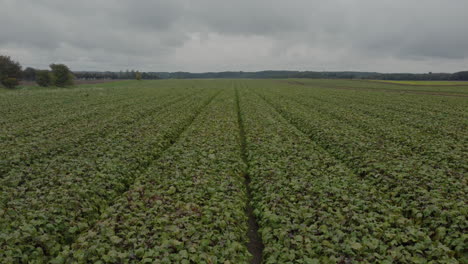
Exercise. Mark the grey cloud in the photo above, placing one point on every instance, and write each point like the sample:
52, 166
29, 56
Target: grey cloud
152, 15
212, 35
262, 17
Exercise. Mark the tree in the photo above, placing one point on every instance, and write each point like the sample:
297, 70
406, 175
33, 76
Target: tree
62, 75
44, 78
10, 72
138, 75
460, 76
29, 74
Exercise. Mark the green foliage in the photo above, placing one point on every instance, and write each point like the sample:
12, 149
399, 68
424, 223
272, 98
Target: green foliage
463, 75
62, 75
188, 207
340, 172
352, 174
10, 72
29, 74
428, 83
44, 78
10, 82
138, 76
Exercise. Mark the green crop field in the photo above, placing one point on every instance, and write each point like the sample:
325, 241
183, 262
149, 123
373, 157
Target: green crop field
427, 83
234, 171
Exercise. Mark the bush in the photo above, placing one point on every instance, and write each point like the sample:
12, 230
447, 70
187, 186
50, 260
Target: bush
62, 75
44, 78
10, 72
138, 76
10, 82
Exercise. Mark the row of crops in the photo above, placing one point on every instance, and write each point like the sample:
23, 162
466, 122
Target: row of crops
403, 194
167, 172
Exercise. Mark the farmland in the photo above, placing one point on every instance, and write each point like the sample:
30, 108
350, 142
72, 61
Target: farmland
235, 171
427, 83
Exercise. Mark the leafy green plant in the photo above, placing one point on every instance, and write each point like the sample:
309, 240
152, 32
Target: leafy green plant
153, 172
62, 76
10, 82
44, 78
10, 72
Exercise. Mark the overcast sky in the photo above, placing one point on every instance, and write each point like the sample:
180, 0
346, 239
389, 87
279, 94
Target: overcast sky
247, 35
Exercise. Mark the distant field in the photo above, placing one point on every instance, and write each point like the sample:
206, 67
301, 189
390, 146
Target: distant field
220, 171
426, 83
366, 85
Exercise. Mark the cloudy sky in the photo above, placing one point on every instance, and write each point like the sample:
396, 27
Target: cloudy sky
248, 35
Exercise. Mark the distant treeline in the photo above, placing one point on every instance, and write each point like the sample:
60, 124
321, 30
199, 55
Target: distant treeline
11, 73
273, 74
122, 75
